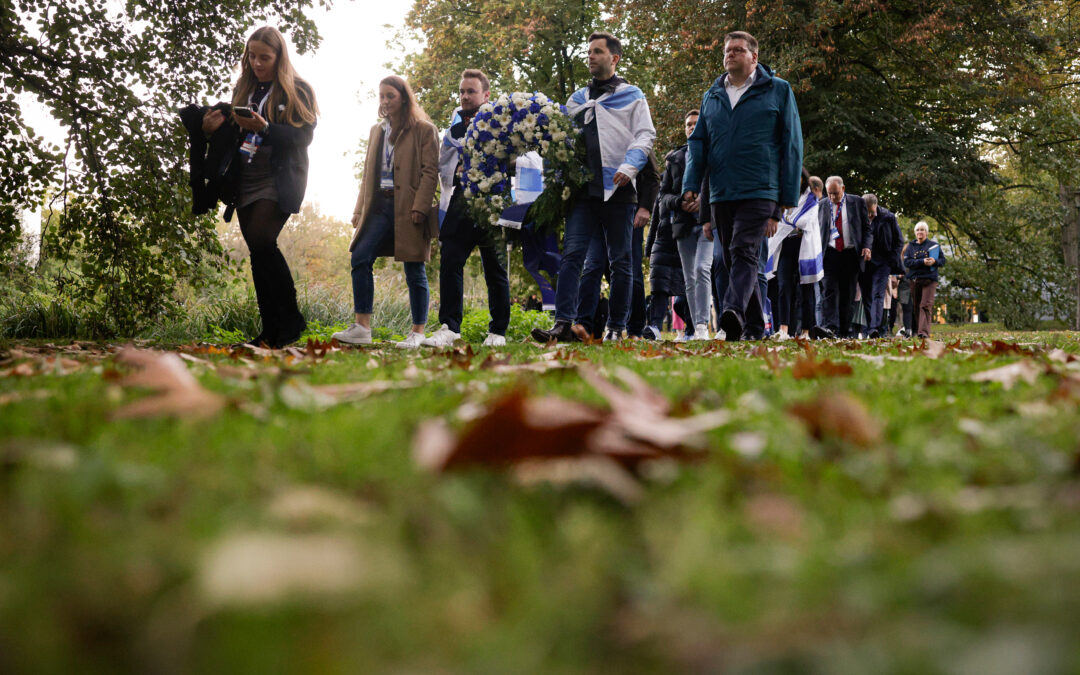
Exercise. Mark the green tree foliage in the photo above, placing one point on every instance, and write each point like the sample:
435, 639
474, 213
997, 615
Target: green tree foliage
114, 76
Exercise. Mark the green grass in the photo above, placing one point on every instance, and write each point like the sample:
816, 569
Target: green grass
951, 546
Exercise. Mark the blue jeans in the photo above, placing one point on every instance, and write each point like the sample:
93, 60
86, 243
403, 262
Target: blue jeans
696, 255
612, 224
378, 235
596, 265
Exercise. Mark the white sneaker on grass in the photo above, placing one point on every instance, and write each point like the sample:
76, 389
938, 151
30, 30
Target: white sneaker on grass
411, 341
701, 332
781, 335
354, 335
494, 340
444, 337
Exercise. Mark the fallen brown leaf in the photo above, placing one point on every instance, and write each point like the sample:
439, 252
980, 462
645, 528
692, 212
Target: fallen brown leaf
933, 349
595, 470
838, 415
808, 368
180, 394
1008, 376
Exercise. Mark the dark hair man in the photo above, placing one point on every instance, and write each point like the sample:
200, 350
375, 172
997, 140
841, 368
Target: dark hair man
750, 139
884, 260
618, 134
846, 239
459, 235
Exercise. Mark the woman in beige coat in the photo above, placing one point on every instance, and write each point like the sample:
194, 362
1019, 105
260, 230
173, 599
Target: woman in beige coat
394, 213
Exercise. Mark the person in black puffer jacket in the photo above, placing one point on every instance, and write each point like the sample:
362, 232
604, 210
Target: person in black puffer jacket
665, 275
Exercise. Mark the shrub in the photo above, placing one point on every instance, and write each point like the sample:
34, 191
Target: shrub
474, 324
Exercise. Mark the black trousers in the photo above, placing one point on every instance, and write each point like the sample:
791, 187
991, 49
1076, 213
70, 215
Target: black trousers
456, 247
841, 280
260, 224
741, 224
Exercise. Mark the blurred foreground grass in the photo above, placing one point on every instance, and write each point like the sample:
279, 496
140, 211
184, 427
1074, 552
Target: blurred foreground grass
292, 532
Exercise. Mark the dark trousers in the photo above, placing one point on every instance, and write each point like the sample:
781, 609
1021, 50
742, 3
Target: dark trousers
260, 225
742, 229
795, 299
596, 266
455, 249
922, 298
719, 275
874, 282
841, 276
590, 216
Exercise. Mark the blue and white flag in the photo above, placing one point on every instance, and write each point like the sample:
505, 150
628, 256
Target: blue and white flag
625, 127
804, 218
449, 158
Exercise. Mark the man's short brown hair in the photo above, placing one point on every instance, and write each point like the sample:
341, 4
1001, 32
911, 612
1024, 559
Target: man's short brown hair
750, 40
477, 75
613, 44
695, 111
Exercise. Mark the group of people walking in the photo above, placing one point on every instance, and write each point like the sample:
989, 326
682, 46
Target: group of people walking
730, 203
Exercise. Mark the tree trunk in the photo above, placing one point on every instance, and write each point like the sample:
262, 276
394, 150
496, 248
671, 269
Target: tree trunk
1070, 238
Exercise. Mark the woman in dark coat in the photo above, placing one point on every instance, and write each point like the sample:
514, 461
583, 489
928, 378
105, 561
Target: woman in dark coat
272, 155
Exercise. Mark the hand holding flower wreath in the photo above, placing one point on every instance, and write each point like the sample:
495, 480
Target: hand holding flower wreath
504, 130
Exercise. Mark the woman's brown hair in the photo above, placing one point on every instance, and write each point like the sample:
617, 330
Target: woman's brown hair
290, 91
410, 112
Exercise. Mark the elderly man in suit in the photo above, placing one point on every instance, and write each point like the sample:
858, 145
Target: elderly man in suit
846, 239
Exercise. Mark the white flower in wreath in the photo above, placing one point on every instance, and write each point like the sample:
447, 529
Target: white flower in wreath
475, 176
482, 125
501, 153
566, 193
504, 119
530, 119
544, 145
493, 219
503, 100
497, 202
496, 177
558, 136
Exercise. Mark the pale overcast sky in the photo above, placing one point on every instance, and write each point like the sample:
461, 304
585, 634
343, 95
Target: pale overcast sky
345, 73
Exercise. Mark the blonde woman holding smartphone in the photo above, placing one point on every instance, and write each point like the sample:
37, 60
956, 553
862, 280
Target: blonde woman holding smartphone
276, 112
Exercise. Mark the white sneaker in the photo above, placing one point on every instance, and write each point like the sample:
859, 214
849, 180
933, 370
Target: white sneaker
681, 337
354, 335
493, 340
781, 335
720, 335
412, 341
444, 337
701, 332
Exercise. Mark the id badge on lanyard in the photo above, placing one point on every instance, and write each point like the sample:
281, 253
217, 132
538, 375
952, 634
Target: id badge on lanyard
250, 146
251, 143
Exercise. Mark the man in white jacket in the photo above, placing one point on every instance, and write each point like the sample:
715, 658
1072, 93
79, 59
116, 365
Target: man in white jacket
618, 133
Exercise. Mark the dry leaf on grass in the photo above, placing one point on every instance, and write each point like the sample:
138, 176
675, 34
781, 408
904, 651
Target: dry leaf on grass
933, 349
560, 441
1008, 376
808, 368
776, 514
303, 505
179, 393
251, 569
838, 415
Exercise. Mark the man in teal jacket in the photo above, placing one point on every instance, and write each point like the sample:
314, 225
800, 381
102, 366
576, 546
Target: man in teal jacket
749, 139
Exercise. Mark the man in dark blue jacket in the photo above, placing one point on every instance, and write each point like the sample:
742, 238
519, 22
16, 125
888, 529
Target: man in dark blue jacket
749, 139
884, 260
846, 240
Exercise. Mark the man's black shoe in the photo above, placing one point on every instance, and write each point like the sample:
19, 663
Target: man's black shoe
291, 332
731, 325
821, 333
560, 332
874, 335
750, 336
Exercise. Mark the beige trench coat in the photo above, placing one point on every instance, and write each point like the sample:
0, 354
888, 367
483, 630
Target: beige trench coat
416, 170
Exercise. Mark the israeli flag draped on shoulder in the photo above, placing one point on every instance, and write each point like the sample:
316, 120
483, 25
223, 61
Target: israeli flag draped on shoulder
625, 127
449, 158
802, 217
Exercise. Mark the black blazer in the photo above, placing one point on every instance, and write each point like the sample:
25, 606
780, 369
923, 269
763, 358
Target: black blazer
859, 222
289, 161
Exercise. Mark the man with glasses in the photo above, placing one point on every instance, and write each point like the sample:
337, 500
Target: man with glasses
749, 138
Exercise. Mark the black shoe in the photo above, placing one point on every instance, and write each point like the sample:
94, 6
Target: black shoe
751, 336
821, 333
290, 332
560, 332
612, 335
732, 327
873, 335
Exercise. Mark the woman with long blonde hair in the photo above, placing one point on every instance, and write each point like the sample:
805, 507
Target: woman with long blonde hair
394, 213
275, 111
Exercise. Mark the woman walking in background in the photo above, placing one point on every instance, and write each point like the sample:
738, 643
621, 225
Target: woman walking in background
394, 214
276, 112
